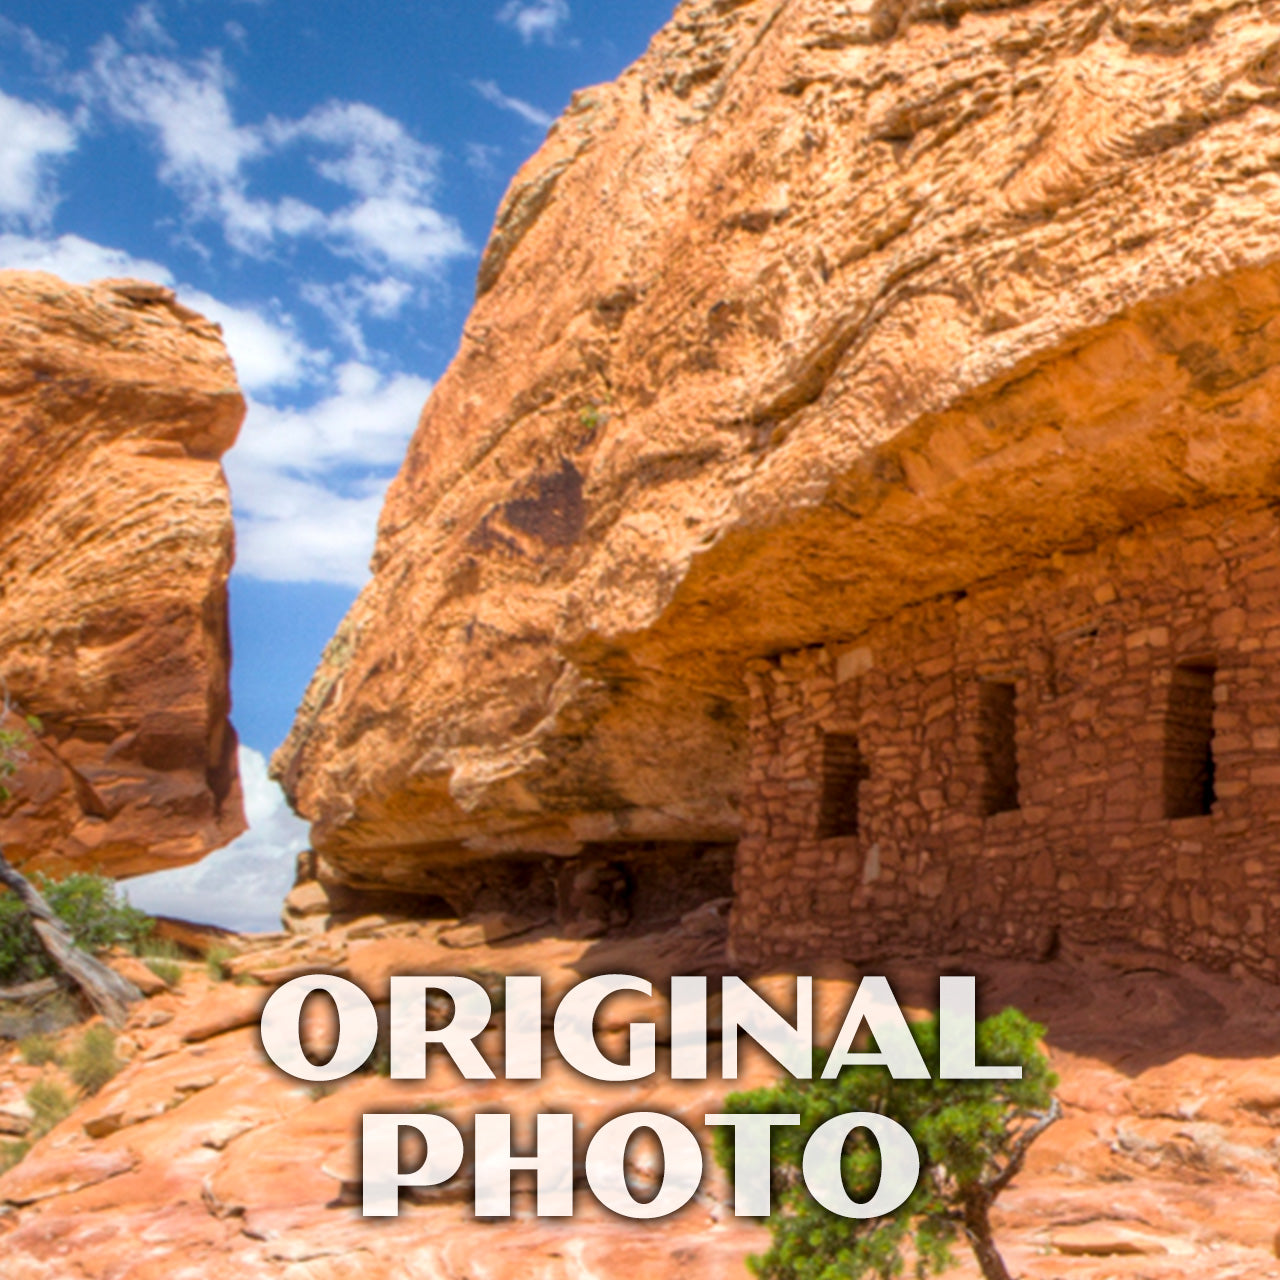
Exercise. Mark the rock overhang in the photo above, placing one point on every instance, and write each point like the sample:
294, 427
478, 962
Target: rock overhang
1014, 293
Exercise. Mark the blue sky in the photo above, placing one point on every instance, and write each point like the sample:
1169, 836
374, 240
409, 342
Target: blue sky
320, 177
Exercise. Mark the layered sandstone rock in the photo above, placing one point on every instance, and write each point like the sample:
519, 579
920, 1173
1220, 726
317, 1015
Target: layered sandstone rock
820, 311
116, 404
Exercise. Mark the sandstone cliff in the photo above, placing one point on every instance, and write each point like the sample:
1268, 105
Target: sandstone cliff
820, 310
116, 404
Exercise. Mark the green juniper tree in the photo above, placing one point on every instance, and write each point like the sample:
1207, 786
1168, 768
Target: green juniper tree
27, 916
972, 1136
90, 907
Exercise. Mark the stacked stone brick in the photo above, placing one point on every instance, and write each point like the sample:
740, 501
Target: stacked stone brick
1104, 656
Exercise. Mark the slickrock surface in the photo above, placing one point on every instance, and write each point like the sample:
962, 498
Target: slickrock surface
820, 310
201, 1160
116, 405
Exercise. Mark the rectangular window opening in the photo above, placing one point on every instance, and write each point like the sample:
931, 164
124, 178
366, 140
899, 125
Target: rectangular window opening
843, 771
1188, 742
998, 746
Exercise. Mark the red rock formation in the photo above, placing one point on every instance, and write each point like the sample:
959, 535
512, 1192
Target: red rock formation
819, 311
116, 404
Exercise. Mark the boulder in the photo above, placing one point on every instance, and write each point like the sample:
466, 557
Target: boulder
116, 405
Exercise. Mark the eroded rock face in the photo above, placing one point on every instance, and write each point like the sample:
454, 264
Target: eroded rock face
116, 404
819, 311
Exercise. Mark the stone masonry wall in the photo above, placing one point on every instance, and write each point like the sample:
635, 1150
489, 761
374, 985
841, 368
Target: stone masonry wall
1114, 661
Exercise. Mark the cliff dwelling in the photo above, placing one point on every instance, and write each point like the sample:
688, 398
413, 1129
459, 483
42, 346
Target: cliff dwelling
1088, 749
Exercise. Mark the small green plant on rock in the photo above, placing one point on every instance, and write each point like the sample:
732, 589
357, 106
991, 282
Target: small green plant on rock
217, 962
153, 947
972, 1136
12, 1153
50, 1104
38, 1050
592, 416
93, 1062
168, 971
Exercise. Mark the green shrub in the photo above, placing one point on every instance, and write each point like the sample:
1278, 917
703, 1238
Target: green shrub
89, 905
22, 958
51, 1105
972, 1136
93, 1061
216, 962
11, 1153
153, 947
168, 971
98, 917
38, 1050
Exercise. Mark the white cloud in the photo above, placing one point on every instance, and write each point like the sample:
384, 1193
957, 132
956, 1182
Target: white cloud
384, 298
345, 304
32, 139
366, 422
490, 92
206, 156
203, 151
242, 886
266, 351
535, 19
144, 26
481, 157
308, 483
292, 530
393, 221
375, 154
44, 56
76, 259
400, 233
